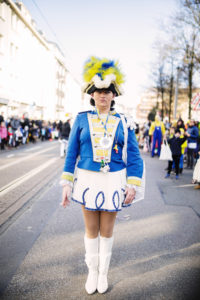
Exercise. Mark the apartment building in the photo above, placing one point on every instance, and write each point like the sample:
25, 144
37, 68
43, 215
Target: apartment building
33, 72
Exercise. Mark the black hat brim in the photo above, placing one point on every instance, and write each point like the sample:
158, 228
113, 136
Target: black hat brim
92, 88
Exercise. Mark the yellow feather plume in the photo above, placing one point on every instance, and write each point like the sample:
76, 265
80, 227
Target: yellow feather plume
102, 67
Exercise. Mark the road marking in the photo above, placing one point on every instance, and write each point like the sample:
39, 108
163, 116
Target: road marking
33, 148
10, 155
184, 185
19, 160
13, 184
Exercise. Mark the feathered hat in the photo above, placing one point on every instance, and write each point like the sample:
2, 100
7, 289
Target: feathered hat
102, 74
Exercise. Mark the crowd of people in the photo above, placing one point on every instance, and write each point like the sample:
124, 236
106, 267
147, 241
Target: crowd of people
15, 131
183, 140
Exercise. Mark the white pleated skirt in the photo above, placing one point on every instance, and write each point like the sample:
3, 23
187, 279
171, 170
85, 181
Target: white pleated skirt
196, 173
100, 191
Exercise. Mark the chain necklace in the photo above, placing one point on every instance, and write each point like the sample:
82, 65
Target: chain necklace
105, 142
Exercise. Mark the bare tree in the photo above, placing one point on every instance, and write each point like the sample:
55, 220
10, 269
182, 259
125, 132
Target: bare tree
189, 67
180, 50
159, 83
171, 60
171, 89
192, 7
159, 76
164, 73
192, 18
186, 27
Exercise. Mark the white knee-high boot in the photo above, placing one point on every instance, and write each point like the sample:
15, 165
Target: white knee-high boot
92, 260
105, 252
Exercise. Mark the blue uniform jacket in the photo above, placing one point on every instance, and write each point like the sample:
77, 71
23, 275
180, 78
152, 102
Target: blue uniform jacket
80, 145
194, 133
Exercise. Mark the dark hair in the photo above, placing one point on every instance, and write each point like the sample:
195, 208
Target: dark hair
92, 102
177, 131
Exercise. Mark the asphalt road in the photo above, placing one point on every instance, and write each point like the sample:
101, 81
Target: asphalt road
156, 253
24, 173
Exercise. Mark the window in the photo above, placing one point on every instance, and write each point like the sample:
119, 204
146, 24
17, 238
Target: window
1, 43
16, 51
2, 10
12, 50
14, 21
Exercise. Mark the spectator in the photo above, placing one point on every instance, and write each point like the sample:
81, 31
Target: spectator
18, 136
175, 143
2, 117
25, 135
180, 124
48, 132
43, 133
34, 133
157, 130
64, 136
166, 123
3, 135
183, 147
26, 122
65, 129
15, 123
10, 136
60, 123
196, 173
146, 147
192, 138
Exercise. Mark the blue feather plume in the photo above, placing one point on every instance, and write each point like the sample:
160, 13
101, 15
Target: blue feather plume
108, 65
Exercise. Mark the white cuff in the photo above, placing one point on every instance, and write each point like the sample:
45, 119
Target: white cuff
133, 186
64, 182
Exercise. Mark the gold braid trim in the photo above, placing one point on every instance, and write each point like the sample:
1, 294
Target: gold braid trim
134, 180
67, 176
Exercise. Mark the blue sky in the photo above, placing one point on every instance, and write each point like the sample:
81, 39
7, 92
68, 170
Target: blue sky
117, 29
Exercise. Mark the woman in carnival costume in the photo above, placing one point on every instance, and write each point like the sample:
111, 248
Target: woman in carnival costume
103, 182
157, 130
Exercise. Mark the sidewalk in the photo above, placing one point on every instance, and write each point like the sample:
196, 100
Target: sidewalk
179, 192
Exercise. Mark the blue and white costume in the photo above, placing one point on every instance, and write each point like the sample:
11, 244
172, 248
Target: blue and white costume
94, 189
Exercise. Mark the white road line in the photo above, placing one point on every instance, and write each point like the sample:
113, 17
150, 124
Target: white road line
13, 184
10, 155
32, 148
19, 160
184, 185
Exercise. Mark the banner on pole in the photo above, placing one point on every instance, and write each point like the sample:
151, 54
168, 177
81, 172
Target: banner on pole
196, 102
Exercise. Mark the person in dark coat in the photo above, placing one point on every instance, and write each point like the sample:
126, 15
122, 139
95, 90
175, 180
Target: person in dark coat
64, 136
180, 124
15, 123
192, 138
175, 143
65, 130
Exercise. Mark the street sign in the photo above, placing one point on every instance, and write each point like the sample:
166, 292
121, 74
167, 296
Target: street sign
196, 102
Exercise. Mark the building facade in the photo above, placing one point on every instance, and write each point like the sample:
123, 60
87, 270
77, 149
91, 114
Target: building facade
32, 70
149, 100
